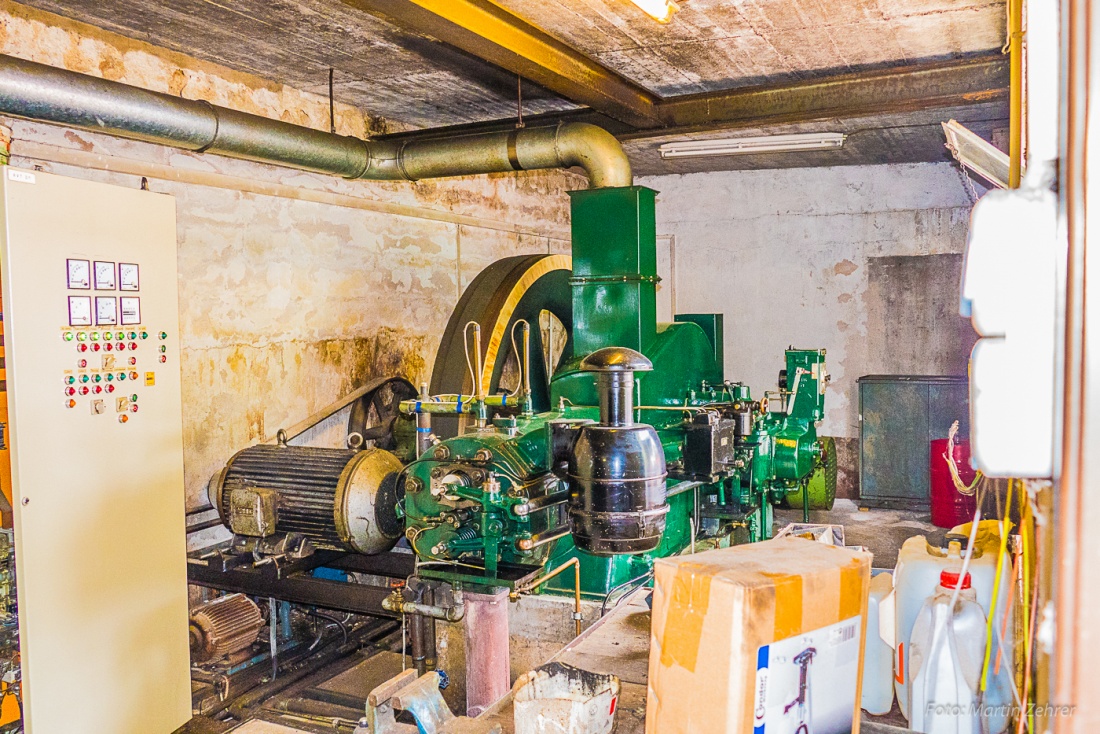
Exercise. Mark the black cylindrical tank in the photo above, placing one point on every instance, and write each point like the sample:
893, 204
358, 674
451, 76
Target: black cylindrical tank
616, 468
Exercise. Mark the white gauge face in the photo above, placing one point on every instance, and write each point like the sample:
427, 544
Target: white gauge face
80, 274
106, 311
131, 310
128, 277
104, 276
80, 311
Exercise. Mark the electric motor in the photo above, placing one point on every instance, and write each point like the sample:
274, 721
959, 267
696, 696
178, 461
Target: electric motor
339, 499
616, 468
223, 626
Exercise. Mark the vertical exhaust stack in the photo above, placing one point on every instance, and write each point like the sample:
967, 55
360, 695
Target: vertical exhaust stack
616, 468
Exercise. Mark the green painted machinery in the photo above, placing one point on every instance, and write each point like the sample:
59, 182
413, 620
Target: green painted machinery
486, 501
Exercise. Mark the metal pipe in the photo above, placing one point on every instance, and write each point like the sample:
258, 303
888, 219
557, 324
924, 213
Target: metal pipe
538, 503
532, 585
540, 539
1015, 92
394, 603
40, 92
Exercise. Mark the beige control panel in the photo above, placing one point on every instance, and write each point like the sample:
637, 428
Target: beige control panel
91, 319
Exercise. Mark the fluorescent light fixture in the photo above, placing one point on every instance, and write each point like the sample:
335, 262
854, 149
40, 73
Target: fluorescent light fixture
761, 144
659, 10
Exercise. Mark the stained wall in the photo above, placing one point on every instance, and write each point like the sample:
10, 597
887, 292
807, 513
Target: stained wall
294, 288
864, 261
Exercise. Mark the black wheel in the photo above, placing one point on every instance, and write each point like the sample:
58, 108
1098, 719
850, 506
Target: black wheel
530, 287
375, 417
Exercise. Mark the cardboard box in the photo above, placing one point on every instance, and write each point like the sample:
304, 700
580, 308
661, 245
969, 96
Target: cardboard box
758, 639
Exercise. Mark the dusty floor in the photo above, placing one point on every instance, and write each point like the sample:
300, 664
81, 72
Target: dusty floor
622, 646
880, 531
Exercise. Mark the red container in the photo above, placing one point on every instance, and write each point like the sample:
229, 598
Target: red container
949, 506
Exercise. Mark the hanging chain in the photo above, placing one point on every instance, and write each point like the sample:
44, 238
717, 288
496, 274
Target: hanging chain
519, 101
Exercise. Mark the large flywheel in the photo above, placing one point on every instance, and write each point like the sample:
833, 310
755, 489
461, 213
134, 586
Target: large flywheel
534, 288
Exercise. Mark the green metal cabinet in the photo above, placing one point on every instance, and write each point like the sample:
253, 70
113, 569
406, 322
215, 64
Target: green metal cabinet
899, 415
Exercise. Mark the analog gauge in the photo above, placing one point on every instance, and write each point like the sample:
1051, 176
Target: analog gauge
131, 310
128, 277
80, 311
106, 311
80, 274
104, 276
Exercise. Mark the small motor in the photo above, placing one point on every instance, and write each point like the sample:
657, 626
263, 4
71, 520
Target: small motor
223, 626
615, 468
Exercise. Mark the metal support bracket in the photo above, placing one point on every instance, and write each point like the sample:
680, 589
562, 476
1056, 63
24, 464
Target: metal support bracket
421, 698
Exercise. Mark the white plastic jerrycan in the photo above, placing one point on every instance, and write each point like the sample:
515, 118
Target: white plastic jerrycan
948, 647
915, 578
877, 695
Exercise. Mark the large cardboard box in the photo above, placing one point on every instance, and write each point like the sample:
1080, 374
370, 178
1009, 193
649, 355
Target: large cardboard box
758, 639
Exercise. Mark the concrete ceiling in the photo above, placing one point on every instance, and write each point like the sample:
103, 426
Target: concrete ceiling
417, 81
724, 44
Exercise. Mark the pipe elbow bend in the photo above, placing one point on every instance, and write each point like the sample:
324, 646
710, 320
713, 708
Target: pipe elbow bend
595, 150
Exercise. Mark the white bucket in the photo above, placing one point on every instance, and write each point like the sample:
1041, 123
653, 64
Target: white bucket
561, 699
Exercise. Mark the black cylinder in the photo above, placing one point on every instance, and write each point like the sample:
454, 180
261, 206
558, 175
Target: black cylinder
616, 391
617, 489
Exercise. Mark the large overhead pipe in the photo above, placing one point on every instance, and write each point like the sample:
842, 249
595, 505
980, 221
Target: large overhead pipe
39, 92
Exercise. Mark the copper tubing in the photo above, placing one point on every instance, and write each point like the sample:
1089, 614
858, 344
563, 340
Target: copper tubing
532, 585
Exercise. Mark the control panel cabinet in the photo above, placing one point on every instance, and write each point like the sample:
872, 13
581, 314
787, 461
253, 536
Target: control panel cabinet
92, 355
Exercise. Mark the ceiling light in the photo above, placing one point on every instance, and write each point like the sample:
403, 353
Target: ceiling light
659, 10
761, 144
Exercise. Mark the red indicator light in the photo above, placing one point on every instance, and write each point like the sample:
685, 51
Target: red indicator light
84, 390
82, 363
97, 389
133, 345
110, 388
82, 347
163, 359
70, 391
95, 347
133, 408
133, 360
108, 346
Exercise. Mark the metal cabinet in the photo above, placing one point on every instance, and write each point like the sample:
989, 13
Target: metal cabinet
899, 415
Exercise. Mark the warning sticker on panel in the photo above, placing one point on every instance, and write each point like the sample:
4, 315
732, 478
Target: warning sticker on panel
150, 379
807, 683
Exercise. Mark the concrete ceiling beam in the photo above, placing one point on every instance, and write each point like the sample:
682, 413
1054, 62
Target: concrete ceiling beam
488, 31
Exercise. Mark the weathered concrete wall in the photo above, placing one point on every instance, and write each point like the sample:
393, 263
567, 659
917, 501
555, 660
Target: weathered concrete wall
286, 304
786, 256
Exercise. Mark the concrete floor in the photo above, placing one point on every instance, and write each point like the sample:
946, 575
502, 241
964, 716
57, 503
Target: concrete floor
880, 531
621, 647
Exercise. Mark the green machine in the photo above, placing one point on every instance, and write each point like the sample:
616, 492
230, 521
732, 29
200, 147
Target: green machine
564, 422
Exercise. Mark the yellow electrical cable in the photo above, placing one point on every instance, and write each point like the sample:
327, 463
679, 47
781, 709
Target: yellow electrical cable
997, 587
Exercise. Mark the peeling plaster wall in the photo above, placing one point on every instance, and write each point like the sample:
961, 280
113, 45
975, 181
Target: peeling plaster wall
785, 255
286, 305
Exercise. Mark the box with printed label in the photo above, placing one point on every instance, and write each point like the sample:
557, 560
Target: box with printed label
764, 638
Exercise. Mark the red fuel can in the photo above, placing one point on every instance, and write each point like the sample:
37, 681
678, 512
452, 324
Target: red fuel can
949, 506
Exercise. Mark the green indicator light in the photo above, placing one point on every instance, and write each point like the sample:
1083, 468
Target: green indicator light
110, 376
81, 336
108, 335
97, 378
145, 335
164, 335
95, 336
133, 398
163, 349
83, 378
69, 336
122, 375
120, 336
133, 335
70, 379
